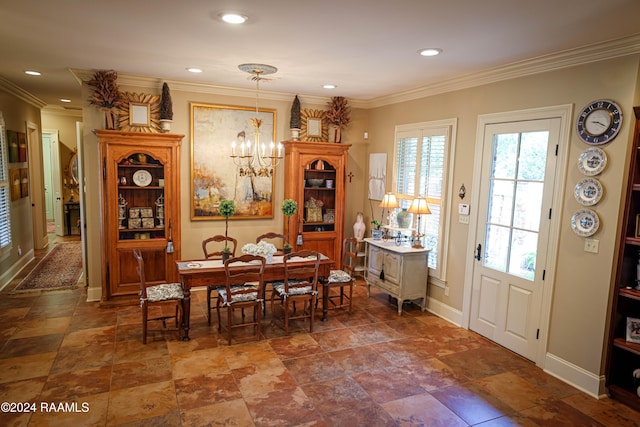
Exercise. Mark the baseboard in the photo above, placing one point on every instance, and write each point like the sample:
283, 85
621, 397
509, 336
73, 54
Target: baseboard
94, 294
13, 271
588, 382
444, 311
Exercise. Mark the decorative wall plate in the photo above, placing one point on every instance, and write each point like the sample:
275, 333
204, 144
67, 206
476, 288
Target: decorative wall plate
588, 191
592, 161
142, 178
585, 222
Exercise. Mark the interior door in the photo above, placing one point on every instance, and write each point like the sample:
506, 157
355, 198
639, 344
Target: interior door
514, 212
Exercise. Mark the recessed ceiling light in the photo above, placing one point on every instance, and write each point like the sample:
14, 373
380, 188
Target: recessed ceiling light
194, 70
32, 72
233, 18
431, 51
329, 86
65, 100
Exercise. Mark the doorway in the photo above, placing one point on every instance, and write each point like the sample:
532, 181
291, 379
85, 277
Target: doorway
53, 191
519, 165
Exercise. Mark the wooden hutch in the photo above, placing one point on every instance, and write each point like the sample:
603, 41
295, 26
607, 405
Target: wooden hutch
140, 207
316, 170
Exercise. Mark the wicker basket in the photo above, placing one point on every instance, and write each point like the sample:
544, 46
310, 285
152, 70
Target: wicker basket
313, 214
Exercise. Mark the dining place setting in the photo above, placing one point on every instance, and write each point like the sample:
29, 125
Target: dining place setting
260, 282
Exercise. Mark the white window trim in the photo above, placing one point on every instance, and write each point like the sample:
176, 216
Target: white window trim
447, 187
6, 251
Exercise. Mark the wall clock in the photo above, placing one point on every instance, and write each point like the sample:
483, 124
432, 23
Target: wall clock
599, 122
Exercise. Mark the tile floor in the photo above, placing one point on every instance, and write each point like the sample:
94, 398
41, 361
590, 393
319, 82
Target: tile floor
369, 368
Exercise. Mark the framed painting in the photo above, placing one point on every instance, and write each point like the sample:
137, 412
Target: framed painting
24, 182
214, 175
22, 147
12, 138
14, 179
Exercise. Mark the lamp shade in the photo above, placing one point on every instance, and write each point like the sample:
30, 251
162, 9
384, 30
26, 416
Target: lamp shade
389, 201
419, 206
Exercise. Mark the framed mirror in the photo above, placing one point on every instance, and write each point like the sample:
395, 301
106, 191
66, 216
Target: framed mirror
73, 168
139, 114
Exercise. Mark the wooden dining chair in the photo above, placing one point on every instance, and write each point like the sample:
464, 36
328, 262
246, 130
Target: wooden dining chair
300, 285
342, 279
160, 295
242, 290
212, 249
278, 240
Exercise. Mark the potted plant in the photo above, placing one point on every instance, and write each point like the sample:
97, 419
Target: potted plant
295, 123
338, 115
106, 95
226, 209
376, 232
289, 208
166, 109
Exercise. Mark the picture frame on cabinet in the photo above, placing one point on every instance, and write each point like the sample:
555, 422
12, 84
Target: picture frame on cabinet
633, 330
139, 112
314, 128
214, 175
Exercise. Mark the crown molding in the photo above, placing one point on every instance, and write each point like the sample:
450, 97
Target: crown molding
21, 93
541, 64
62, 112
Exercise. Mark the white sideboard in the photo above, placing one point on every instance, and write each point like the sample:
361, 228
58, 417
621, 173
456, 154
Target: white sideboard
400, 271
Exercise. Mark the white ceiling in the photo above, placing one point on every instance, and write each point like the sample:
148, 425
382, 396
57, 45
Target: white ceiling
368, 48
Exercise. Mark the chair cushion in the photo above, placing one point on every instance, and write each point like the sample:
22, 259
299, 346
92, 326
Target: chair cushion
165, 292
249, 296
279, 288
339, 276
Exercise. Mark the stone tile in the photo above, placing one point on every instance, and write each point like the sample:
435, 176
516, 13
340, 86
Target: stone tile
295, 346
26, 367
367, 414
262, 379
283, 407
471, 403
336, 339
249, 354
89, 336
33, 328
484, 361
72, 385
140, 372
89, 411
233, 413
193, 364
606, 411
16, 347
359, 359
89, 356
135, 350
514, 391
422, 409
142, 403
311, 369
20, 391
386, 384
206, 390
375, 333
337, 395
558, 413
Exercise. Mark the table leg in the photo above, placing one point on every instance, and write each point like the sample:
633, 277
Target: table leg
186, 314
325, 301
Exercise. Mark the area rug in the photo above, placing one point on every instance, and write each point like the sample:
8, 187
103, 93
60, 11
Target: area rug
59, 269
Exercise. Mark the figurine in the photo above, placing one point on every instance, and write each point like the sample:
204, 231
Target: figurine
359, 227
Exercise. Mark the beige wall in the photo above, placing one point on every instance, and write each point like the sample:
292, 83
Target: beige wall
582, 283
17, 113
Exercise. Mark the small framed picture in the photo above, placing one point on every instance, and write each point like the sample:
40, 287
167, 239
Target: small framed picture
633, 330
637, 233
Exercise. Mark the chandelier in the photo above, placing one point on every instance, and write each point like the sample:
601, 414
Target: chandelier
257, 158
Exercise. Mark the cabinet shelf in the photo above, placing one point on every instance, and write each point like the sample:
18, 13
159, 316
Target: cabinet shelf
141, 166
626, 345
319, 188
135, 187
630, 293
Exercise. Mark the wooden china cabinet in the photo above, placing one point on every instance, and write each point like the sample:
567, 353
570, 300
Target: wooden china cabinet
140, 205
316, 171
623, 361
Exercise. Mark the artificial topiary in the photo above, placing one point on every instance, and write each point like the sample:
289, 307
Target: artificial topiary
295, 122
166, 106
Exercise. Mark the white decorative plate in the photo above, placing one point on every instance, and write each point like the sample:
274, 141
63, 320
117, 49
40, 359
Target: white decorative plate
142, 178
592, 161
585, 222
588, 191
194, 265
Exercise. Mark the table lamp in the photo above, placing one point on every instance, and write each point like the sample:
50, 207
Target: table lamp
389, 201
419, 207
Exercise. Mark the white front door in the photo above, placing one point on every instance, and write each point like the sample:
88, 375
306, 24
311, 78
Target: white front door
512, 232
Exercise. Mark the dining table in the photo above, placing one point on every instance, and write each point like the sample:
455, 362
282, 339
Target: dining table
202, 273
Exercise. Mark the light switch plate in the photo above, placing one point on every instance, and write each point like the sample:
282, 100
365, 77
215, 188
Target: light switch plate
463, 219
591, 245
